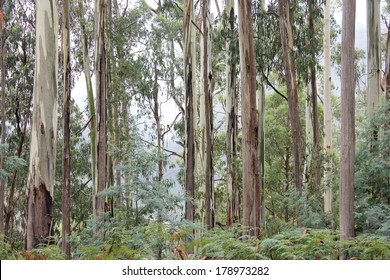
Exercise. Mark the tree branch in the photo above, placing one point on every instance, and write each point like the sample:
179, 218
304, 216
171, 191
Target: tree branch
269, 83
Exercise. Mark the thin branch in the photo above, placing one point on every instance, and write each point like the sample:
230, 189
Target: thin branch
170, 127
269, 83
197, 27
85, 126
171, 153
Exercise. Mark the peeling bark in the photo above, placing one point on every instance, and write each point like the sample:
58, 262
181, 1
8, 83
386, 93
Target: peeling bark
101, 103
189, 114
233, 203
207, 76
44, 127
66, 146
3, 120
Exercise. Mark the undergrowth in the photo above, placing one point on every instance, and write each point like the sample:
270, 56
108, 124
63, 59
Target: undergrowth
163, 241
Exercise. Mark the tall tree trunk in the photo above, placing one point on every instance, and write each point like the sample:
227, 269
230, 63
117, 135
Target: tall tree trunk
307, 167
233, 202
314, 104
101, 102
41, 174
286, 178
291, 82
347, 121
250, 160
387, 72
261, 112
91, 103
188, 76
3, 120
66, 117
207, 76
373, 57
327, 113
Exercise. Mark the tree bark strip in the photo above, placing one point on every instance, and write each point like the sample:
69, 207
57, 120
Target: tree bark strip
189, 116
66, 118
101, 102
233, 202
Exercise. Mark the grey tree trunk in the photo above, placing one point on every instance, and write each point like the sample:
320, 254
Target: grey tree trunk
250, 158
101, 102
66, 115
347, 121
207, 76
291, 82
39, 225
3, 121
261, 112
314, 103
386, 79
233, 203
327, 113
189, 113
373, 56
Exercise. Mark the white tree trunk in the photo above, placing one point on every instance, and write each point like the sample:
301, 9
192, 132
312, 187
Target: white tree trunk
327, 112
41, 174
373, 56
233, 203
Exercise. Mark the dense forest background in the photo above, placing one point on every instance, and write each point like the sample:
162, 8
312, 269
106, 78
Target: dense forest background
171, 129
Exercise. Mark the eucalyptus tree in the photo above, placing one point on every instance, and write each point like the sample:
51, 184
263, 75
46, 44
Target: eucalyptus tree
101, 102
261, 115
44, 127
250, 162
208, 109
3, 116
327, 112
346, 188
313, 9
189, 111
233, 201
373, 57
66, 118
292, 90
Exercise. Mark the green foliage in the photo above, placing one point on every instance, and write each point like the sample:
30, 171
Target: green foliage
51, 252
295, 245
372, 175
231, 244
6, 251
299, 244
366, 247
